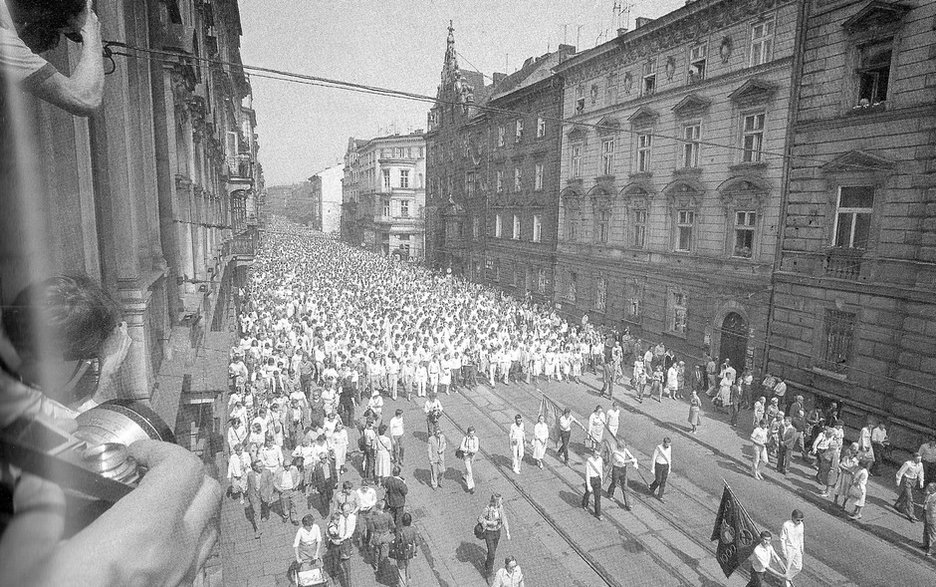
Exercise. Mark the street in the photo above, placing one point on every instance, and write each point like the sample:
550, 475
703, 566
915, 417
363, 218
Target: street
557, 543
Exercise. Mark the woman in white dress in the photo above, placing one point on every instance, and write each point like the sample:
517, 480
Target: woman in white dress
596, 426
338, 443
858, 490
383, 446
540, 437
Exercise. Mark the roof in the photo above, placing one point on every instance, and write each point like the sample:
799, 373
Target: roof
534, 70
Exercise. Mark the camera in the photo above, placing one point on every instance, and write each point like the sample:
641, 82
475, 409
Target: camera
92, 465
39, 24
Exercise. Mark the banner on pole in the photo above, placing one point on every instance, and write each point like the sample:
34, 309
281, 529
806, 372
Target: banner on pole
736, 533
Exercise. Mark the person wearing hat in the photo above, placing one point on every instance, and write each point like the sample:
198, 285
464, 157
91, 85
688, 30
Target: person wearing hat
791, 545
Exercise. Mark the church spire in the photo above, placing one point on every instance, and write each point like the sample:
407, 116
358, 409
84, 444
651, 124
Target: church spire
451, 58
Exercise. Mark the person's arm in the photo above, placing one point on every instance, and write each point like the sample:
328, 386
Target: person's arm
296, 547
160, 533
82, 92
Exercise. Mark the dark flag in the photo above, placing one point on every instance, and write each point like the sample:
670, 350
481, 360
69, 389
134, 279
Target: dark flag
551, 411
736, 533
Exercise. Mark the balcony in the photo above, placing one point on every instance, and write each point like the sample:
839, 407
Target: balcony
843, 264
242, 245
239, 166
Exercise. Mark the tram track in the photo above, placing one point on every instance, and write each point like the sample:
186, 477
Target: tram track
621, 528
650, 503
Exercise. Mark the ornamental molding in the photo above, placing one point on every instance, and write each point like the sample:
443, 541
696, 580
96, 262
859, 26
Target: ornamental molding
685, 31
747, 192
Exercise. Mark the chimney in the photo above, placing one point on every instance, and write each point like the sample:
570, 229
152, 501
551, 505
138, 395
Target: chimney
642, 21
529, 61
565, 51
499, 77
622, 31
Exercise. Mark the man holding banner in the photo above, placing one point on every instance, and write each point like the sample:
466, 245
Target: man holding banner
738, 538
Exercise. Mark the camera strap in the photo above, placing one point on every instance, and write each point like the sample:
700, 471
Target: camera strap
59, 468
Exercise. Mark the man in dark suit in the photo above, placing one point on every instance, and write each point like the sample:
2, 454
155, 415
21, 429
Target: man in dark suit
255, 508
395, 495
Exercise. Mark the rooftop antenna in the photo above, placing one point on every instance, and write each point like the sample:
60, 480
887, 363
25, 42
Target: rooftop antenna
578, 36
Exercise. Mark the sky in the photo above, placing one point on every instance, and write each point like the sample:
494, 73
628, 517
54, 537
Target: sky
398, 44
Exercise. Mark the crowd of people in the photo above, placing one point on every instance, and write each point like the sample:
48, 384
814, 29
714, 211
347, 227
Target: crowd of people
329, 333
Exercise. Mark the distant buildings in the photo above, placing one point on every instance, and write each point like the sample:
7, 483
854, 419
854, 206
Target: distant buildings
384, 194
326, 199
854, 306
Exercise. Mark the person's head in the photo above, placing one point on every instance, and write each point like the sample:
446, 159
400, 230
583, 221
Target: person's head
399, 412
347, 486
916, 457
471, 431
58, 322
797, 517
268, 441
238, 448
666, 441
40, 22
510, 563
765, 537
406, 519
567, 412
495, 499
541, 419
438, 431
346, 509
308, 521
788, 420
381, 504
382, 429
257, 465
518, 419
931, 488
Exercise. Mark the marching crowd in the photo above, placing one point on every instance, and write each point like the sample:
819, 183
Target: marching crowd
328, 332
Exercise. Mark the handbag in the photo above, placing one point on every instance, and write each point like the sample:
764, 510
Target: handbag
362, 443
459, 453
854, 491
479, 531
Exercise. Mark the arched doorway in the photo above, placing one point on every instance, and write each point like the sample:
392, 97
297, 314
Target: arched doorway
734, 340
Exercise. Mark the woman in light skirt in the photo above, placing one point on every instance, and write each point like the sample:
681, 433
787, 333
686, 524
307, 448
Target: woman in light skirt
695, 411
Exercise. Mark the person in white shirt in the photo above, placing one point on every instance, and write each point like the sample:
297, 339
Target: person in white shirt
433, 411
660, 465
620, 458
396, 437
763, 555
613, 418
517, 437
672, 381
469, 447
308, 541
540, 438
596, 426
791, 545
594, 472
909, 476
238, 465
759, 439
510, 575
565, 433
340, 530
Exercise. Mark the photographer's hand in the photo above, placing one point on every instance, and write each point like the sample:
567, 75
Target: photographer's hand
86, 23
161, 533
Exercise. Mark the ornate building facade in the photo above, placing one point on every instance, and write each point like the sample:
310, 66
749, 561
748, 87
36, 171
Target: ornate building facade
384, 194
854, 313
672, 173
146, 196
522, 184
457, 147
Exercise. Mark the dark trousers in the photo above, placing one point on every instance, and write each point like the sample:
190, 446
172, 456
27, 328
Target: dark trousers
905, 499
397, 512
757, 578
340, 566
607, 385
619, 479
593, 487
564, 436
783, 458
661, 472
878, 458
929, 536
491, 538
735, 411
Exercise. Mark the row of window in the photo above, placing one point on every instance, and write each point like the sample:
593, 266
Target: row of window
760, 52
534, 279
751, 141
404, 180
515, 232
677, 301
518, 131
745, 226
404, 210
402, 153
538, 170
854, 209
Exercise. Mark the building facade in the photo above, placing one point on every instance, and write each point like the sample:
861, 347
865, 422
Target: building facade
671, 176
458, 150
384, 194
522, 184
326, 199
149, 195
854, 312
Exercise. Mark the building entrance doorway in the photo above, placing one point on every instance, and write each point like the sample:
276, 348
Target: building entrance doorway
734, 341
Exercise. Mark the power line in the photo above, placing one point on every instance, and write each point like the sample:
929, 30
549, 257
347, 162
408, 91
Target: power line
391, 93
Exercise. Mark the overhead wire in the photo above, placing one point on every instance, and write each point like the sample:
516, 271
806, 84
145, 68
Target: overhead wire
287, 76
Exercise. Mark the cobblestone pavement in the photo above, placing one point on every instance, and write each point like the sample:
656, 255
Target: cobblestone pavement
557, 543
